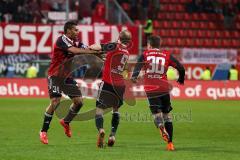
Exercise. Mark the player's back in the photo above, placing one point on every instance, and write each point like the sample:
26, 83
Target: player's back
156, 63
114, 66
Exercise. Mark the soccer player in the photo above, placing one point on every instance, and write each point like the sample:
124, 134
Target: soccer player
155, 62
60, 80
112, 87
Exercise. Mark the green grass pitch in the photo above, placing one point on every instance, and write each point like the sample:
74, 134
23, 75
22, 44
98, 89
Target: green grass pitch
203, 130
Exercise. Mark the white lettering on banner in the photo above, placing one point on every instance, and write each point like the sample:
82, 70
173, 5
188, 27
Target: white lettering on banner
13, 89
209, 56
25, 35
217, 93
138, 90
42, 48
193, 92
38, 39
12, 36
95, 88
115, 33
98, 33
84, 30
193, 72
1, 39
56, 32
83, 86
175, 92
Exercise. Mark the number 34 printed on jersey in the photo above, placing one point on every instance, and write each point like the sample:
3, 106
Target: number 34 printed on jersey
156, 64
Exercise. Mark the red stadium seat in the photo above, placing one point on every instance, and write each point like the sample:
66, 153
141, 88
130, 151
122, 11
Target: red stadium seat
201, 34
216, 43
173, 33
181, 33
209, 34
226, 34
218, 34
175, 24
236, 34
194, 25
161, 16
203, 16
235, 43
179, 16
184, 24
187, 17
180, 8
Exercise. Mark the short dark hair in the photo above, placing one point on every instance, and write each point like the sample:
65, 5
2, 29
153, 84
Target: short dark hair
154, 41
69, 25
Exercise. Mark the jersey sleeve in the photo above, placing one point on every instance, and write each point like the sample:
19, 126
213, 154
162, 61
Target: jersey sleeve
177, 65
63, 43
138, 66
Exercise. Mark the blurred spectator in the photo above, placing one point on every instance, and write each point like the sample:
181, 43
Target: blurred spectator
233, 73
148, 29
10, 71
144, 9
194, 6
206, 75
31, 71
99, 13
134, 9
229, 13
207, 6
156, 8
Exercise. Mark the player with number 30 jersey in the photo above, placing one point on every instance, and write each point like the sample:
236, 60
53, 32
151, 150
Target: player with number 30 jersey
155, 63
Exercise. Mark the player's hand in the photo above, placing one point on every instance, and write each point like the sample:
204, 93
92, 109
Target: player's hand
180, 81
95, 47
134, 80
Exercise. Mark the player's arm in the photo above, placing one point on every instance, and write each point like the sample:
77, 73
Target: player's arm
105, 47
75, 50
177, 65
137, 68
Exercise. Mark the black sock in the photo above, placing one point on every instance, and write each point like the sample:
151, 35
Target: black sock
73, 111
46, 122
115, 123
169, 129
99, 121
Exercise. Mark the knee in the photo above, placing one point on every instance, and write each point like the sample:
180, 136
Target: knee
167, 117
78, 103
54, 102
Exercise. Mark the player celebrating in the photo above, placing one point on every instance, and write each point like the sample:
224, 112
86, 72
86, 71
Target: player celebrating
112, 86
156, 63
60, 80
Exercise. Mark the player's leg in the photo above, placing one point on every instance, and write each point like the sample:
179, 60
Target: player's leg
166, 109
118, 92
169, 128
99, 125
48, 118
71, 89
155, 107
73, 111
114, 125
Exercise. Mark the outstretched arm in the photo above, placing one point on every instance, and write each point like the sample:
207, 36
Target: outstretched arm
177, 65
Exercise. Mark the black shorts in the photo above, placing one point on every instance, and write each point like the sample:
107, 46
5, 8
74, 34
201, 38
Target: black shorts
57, 85
110, 96
159, 102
